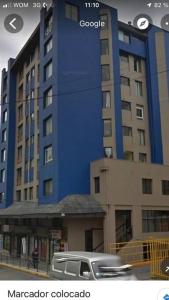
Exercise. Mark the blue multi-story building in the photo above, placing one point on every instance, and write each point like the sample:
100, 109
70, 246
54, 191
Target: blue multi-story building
76, 94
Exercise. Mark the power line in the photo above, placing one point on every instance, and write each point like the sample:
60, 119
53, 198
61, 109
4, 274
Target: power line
102, 85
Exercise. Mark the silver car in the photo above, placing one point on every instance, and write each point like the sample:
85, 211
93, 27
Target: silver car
77, 265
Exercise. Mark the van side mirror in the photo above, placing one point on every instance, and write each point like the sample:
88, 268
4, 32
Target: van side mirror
86, 275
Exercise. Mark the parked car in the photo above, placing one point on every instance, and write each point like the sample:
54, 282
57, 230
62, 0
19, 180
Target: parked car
78, 265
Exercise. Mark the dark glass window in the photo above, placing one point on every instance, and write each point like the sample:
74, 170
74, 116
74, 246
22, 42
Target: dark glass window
97, 185
107, 127
48, 187
72, 12
126, 105
105, 70
165, 187
104, 47
155, 220
147, 185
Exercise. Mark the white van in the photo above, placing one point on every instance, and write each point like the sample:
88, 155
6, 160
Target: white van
78, 265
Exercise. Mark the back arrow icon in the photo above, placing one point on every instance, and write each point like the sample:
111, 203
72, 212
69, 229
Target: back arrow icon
11, 23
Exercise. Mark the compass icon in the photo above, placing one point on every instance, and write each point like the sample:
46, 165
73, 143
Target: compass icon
142, 22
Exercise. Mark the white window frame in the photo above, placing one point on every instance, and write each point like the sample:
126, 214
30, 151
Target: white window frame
48, 155
141, 109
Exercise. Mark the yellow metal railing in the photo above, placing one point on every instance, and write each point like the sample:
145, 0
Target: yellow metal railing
152, 252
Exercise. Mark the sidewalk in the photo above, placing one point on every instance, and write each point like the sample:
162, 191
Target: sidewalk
24, 269
25, 265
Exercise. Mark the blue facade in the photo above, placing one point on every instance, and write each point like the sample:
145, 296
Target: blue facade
77, 108
9, 145
153, 99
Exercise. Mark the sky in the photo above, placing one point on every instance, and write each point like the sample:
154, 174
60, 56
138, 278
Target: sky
12, 43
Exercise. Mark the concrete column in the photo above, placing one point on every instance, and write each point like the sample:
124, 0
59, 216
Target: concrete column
137, 222
109, 228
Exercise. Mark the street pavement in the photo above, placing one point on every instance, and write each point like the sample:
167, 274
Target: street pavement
10, 274
142, 273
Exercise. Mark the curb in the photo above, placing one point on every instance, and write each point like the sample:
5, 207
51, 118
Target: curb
32, 272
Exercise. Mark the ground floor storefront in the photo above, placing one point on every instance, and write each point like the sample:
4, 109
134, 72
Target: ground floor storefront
19, 237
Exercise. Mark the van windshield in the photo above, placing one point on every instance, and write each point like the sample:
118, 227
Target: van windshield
108, 268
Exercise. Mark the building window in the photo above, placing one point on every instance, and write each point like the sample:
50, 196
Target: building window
48, 25
139, 88
38, 78
128, 155
106, 99
48, 97
19, 154
19, 176
97, 185
26, 166
104, 18
4, 100
31, 163
108, 152
140, 112
3, 155
142, 157
124, 58
125, 81
32, 116
165, 187
27, 143
20, 93
31, 193
48, 187
2, 197
104, 47
28, 99
127, 131
141, 136
37, 119
32, 94
2, 176
147, 186
107, 128
124, 36
20, 133
48, 46
48, 154
4, 116
38, 143
28, 78
20, 113
48, 70
4, 136
48, 126
155, 220
72, 12
137, 64
33, 73
105, 71
37, 191
18, 196
37, 174
32, 139
126, 105
26, 194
